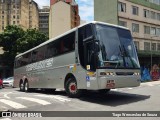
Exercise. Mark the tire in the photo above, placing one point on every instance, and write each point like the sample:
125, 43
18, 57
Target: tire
21, 86
26, 86
1, 86
71, 88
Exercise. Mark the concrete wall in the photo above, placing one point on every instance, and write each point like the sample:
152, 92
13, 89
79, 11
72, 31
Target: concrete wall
106, 11
59, 19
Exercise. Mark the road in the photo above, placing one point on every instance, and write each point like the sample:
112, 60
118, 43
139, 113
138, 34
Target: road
143, 98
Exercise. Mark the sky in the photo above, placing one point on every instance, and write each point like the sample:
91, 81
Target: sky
86, 11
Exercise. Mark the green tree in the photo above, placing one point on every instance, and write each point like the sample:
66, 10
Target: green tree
15, 40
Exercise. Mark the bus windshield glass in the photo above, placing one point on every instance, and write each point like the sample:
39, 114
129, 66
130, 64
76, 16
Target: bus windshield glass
117, 49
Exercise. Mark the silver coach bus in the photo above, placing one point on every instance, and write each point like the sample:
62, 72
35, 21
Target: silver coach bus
94, 56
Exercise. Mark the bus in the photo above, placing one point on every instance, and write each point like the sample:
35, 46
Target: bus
94, 56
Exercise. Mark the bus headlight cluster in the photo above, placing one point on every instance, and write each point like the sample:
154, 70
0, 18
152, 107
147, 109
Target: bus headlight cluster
106, 73
136, 73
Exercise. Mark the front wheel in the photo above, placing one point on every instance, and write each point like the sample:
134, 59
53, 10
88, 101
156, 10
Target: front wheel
71, 88
21, 86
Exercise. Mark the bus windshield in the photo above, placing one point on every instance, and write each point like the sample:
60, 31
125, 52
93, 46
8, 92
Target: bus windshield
116, 48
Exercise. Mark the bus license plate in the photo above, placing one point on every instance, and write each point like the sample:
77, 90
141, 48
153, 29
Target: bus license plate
110, 84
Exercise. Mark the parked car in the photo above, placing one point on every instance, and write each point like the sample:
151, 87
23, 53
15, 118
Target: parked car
8, 82
1, 84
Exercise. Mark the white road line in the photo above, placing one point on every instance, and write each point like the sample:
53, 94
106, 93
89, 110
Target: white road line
54, 97
42, 102
150, 85
5, 119
114, 89
130, 88
12, 104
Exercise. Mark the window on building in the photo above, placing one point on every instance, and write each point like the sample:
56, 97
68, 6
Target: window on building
135, 27
14, 17
2, 17
146, 13
2, 12
123, 23
153, 15
121, 7
158, 46
153, 46
153, 31
146, 30
158, 16
14, 22
134, 10
158, 31
137, 44
147, 46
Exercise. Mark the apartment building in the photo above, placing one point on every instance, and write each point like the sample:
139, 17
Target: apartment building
142, 17
33, 15
64, 15
18, 12
44, 19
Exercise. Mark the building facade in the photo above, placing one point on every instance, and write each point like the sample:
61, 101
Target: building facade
44, 20
142, 17
23, 13
64, 15
33, 15
18, 12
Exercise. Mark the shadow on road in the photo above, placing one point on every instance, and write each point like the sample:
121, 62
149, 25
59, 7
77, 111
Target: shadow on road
113, 98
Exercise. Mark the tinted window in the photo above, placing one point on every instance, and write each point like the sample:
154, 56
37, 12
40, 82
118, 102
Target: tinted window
62, 45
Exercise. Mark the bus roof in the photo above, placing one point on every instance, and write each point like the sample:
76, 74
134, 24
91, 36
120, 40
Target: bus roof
74, 29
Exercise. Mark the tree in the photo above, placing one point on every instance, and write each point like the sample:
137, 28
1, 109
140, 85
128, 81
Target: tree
31, 38
15, 40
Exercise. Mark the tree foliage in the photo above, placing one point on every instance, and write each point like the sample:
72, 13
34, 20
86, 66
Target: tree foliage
15, 40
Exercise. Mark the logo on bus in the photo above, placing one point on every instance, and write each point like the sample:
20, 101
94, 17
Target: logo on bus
40, 65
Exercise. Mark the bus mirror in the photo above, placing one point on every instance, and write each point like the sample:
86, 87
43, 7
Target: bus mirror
97, 44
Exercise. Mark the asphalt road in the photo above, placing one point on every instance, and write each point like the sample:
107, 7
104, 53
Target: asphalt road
143, 98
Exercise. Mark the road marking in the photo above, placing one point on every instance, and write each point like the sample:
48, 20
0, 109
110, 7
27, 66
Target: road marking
130, 88
114, 89
6, 95
5, 119
12, 104
42, 102
54, 97
150, 85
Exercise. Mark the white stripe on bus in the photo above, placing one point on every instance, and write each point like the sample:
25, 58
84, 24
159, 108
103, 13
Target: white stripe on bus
42, 102
12, 104
54, 97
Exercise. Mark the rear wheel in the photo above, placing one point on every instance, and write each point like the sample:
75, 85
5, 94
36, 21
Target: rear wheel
71, 88
21, 86
1, 86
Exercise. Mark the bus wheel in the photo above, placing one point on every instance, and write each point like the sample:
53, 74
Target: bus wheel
21, 86
71, 88
26, 86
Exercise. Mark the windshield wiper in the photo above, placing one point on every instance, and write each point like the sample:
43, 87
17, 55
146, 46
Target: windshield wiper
123, 55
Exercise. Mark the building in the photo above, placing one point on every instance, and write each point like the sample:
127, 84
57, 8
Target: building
44, 19
142, 17
33, 15
23, 13
64, 15
18, 12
